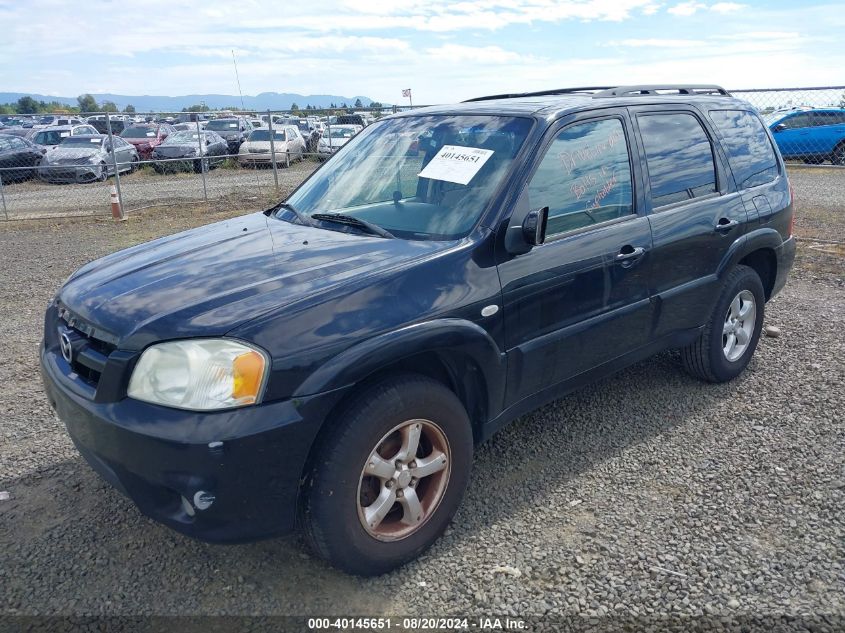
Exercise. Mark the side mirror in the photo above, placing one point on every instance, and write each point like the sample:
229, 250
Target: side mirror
534, 226
780, 127
521, 237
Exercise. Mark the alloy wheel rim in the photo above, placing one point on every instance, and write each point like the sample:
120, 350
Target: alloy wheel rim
738, 328
404, 480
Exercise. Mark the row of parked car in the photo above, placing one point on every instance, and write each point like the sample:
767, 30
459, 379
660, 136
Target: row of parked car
78, 151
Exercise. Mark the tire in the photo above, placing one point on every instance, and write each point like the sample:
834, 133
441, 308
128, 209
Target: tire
838, 156
201, 165
287, 159
104, 173
133, 165
709, 358
338, 494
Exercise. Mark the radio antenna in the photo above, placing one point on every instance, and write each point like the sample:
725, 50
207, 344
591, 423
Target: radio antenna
238, 79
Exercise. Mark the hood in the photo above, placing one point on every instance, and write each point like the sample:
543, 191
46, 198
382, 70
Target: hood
66, 153
209, 280
176, 150
228, 133
151, 140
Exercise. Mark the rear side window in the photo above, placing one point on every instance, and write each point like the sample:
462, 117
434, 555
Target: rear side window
585, 177
679, 157
750, 152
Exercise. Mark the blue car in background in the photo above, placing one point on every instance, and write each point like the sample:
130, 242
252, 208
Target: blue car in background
812, 135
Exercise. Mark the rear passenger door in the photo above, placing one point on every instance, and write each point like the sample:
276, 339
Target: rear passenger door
753, 163
580, 299
694, 211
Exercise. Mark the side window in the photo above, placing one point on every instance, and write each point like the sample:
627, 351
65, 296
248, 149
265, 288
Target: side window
750, 153
585, 177
679, 157
797, 121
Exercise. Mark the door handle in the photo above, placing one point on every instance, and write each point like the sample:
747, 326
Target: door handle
629, 254
726, 224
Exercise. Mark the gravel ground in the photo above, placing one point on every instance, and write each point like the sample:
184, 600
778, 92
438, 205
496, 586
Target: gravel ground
645, 496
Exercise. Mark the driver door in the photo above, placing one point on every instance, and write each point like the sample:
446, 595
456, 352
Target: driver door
581, 299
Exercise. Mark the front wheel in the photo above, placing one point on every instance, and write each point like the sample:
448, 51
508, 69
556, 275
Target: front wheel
385, 481
103, 173
729, 339
838, 156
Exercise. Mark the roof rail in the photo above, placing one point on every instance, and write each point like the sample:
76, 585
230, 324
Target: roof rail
541, 93
658, 89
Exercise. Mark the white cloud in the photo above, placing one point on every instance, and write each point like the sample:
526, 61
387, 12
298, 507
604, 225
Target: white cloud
726, 7
659, 43
651, 9
686, 8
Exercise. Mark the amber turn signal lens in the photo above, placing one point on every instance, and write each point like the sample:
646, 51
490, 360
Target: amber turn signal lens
247, 374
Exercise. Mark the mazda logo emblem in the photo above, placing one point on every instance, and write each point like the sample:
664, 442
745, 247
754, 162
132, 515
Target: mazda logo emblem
67, 346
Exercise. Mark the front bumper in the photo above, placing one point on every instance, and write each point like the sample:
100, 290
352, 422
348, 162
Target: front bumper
785, 254
68, 173
225, 476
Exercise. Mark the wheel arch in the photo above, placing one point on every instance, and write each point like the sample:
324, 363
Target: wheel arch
756, 250
457, 353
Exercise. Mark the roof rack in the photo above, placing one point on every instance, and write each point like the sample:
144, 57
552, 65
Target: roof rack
659, 89
541, 93
601, 92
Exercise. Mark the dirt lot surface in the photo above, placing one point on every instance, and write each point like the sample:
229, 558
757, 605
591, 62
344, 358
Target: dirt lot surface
646, 495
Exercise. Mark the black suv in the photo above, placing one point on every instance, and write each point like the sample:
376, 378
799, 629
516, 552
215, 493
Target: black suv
332, 362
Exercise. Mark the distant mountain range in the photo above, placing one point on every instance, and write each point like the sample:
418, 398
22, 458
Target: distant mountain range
148, 103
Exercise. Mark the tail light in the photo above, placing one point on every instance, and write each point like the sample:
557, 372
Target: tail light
792, 209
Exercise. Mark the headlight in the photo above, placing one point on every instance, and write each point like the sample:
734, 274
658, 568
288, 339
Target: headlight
200, 374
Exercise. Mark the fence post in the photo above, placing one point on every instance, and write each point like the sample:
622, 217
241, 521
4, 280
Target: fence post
3, 198
202, 167
116, 170
273, 150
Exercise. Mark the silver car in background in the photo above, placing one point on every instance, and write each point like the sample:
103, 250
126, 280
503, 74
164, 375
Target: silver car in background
87, 158
334, 137
257, 149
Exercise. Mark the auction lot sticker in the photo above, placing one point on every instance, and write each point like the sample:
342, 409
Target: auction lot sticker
454, 163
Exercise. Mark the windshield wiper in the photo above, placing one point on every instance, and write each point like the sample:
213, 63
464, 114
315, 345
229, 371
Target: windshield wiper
303, 219
351, 220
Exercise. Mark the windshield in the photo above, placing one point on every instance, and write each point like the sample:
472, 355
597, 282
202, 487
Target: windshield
222, 124
340, 132
181, 137
53, 137
139, 132
426, 177
264, 135
81, 141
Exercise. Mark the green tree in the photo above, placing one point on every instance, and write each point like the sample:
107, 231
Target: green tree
293, 106
375, 105
129, 108
87, 103
358, 103
109, 106
27, 105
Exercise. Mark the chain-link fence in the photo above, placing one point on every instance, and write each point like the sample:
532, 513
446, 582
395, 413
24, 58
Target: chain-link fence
808, 124
67, 164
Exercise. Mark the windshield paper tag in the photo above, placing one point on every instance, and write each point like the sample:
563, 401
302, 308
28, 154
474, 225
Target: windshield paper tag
454, 163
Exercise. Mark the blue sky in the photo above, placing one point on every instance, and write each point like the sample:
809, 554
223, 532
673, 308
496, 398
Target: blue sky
444, 51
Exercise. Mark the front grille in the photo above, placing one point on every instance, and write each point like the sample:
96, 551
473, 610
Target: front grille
89, 353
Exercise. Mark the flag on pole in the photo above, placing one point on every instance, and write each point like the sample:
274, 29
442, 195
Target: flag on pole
406, 92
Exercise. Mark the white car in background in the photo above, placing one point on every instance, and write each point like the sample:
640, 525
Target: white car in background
258, 150
49, 137
334, 137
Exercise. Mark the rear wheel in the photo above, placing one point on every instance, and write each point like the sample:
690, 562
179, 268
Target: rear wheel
838, 156
729, 339
388, 477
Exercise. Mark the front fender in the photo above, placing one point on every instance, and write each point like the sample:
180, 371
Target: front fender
449, 338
